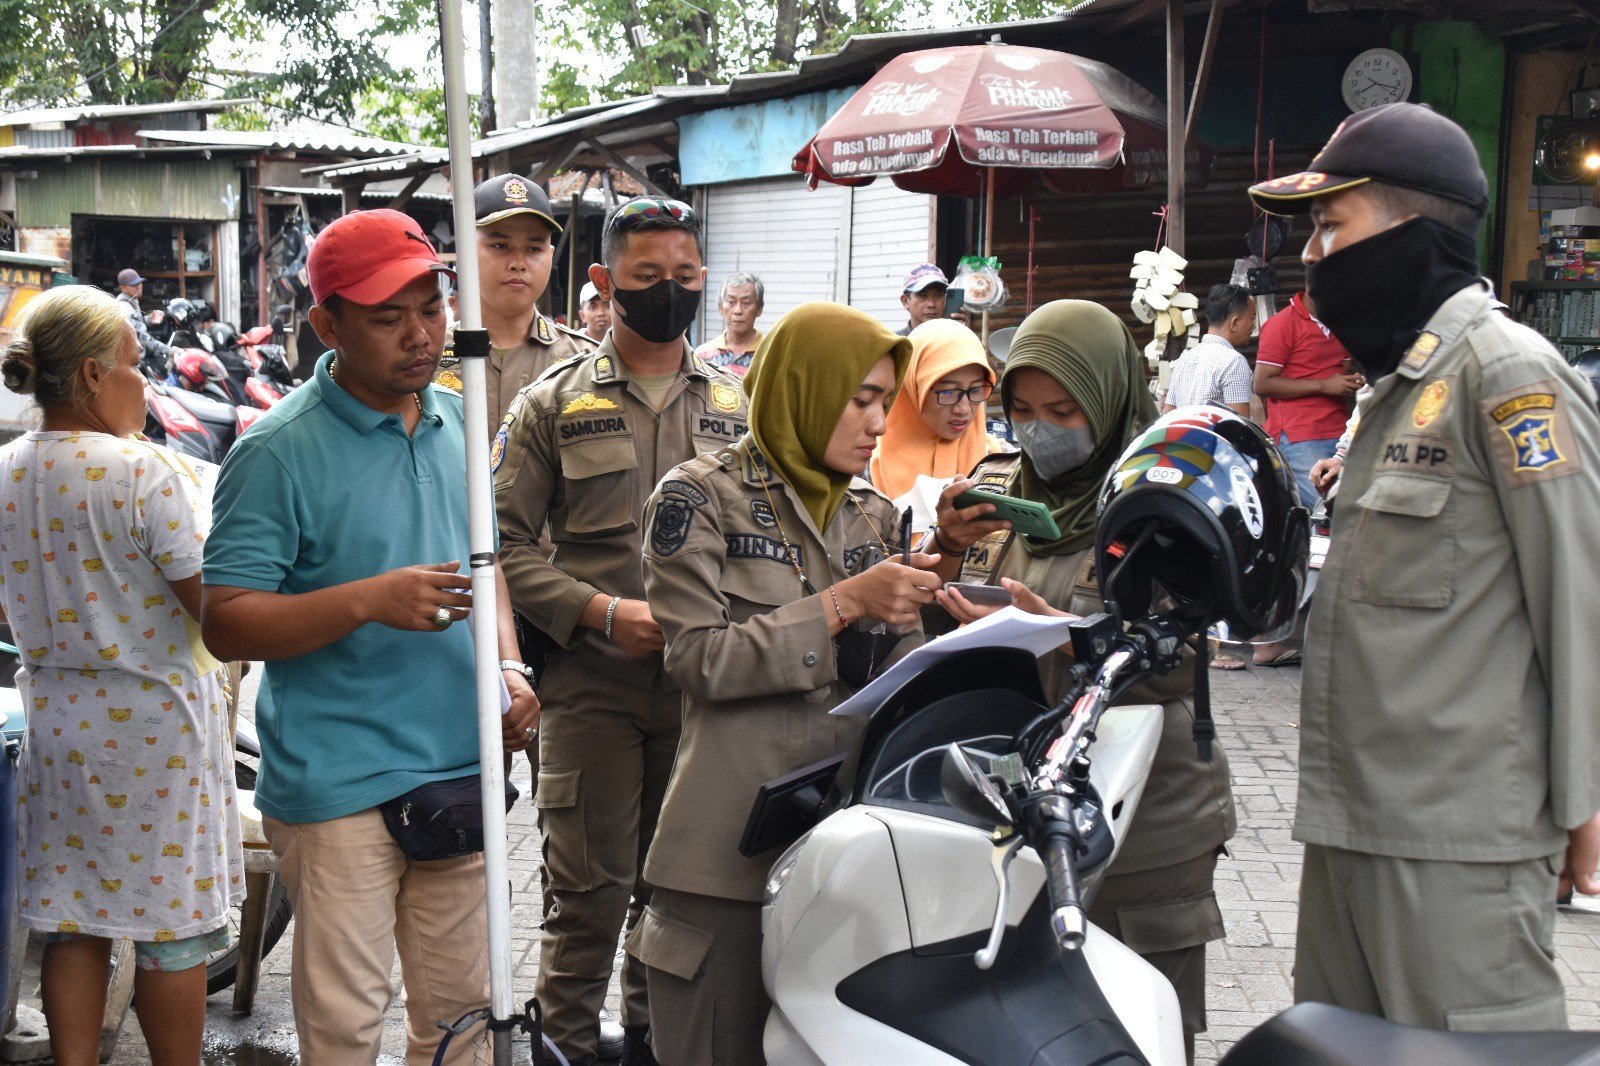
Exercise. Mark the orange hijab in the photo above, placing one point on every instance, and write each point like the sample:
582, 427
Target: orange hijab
909, 447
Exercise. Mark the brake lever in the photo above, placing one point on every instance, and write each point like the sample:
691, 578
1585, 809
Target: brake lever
1000, 862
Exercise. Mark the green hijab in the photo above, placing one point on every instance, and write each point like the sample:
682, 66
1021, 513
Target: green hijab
804, 372
1092, 355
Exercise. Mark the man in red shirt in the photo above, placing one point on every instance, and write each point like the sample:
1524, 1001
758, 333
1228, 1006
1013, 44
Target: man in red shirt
1306, 379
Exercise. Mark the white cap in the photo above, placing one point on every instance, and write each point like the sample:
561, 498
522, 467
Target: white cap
587, 293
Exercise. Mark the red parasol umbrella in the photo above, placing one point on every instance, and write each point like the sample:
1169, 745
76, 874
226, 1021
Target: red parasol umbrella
1004, 107
1008, 111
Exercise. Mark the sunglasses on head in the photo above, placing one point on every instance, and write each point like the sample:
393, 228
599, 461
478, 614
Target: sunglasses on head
646, 210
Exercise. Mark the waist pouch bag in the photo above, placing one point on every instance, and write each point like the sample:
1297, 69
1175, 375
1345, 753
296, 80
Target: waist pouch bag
440, 820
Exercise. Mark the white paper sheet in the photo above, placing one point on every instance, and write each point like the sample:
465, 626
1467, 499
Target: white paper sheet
1011, 627
923, 499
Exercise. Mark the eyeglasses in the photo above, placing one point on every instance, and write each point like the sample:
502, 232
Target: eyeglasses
645, 210
950, 397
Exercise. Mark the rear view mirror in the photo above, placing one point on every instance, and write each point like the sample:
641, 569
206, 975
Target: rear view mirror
968, 789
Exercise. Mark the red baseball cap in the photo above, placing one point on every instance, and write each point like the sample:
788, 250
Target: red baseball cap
368, 256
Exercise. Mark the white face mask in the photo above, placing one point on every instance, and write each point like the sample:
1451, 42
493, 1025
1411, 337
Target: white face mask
1053, 450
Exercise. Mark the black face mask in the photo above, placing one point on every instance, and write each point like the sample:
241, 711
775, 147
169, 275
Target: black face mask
1377, 294
660, 314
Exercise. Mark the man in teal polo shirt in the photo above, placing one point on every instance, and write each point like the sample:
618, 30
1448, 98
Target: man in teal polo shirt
341, 524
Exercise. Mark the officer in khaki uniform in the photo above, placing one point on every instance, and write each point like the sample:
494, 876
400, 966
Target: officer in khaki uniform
514, 245
579, 453
759, 560
1158, 897
1449, 739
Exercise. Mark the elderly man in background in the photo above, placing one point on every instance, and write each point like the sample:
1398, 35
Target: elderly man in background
740, 303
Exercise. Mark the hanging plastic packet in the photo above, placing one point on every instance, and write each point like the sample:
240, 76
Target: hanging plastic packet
980, 278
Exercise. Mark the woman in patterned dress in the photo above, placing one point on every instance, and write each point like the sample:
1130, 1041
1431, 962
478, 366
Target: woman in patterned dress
127, 822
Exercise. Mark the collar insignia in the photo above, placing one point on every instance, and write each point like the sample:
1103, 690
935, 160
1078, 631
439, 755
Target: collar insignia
1421, 351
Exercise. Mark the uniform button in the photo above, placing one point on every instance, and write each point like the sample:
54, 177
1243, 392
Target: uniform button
810, 658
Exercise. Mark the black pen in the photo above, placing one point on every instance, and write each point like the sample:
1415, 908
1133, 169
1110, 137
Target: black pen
905, 537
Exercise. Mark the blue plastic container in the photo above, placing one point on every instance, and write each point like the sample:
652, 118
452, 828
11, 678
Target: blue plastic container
14, 727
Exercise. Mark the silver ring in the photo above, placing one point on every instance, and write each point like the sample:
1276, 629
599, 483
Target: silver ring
530, 732
442, 618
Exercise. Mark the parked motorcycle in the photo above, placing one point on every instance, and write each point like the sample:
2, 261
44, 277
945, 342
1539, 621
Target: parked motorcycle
197, 425
933, 908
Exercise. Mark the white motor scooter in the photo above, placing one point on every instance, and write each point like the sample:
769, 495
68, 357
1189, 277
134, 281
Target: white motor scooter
909, 926
936, 914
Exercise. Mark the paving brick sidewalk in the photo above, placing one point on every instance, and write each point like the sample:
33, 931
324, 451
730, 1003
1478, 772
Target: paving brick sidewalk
1248, 975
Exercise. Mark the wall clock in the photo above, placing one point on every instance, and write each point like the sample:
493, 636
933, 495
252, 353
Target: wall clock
1376, 76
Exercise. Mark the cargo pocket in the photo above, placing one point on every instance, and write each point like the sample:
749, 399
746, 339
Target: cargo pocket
669, 945
1530, 1015
756, 586
1415, 519
601, 494
1158, 927
565, 842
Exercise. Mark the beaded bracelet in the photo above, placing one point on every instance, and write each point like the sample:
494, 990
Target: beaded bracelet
611, 613
836, 608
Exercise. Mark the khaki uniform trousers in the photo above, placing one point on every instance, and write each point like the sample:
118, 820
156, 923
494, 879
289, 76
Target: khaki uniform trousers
1467, 946
355, 897
1167, 915
605, 756
703, 956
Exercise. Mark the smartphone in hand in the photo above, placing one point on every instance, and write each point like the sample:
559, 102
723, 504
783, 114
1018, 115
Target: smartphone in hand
983, 595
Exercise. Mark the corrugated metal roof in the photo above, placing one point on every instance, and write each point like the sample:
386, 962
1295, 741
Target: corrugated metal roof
91, 112
18, 154
507, 140
332, 141
369, 193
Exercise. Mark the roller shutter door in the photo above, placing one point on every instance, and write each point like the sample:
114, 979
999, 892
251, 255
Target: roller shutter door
785, 234
891, 231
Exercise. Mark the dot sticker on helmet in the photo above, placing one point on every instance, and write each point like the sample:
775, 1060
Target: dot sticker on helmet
1164, 475
1249, 501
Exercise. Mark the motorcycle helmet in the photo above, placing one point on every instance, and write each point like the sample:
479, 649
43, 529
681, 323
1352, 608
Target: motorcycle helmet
223, 336
1200, 516
196, 368
180, 311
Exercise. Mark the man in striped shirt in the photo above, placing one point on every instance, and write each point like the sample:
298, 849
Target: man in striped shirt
1213, 371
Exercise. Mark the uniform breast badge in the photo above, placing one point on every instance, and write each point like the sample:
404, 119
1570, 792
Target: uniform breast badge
1430, 404
724, 397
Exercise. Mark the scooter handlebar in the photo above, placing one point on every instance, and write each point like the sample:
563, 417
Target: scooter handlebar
1067, 919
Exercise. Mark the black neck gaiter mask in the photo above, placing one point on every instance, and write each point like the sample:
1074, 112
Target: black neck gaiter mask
1377, 295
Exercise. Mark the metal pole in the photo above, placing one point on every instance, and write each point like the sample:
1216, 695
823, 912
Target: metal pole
1176, 91
988, 235
473, 343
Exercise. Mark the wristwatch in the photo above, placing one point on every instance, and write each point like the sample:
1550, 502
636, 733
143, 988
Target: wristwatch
521, 668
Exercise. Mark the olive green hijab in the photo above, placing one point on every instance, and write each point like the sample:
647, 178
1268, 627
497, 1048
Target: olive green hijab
1092, 355
804, 372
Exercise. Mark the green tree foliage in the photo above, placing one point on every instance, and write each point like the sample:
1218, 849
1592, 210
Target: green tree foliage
311, 57
632, 46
